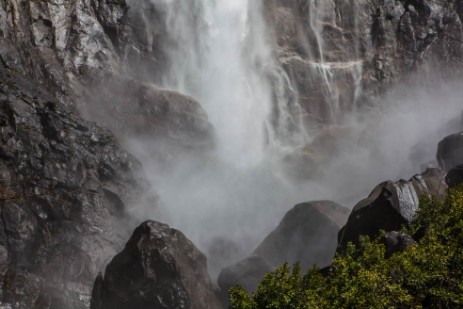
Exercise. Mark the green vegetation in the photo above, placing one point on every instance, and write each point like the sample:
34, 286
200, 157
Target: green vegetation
427, 275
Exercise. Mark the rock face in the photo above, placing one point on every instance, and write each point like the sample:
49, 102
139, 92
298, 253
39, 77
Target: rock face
450, 151
391, 205
306, 235
66, 185
158, 268
341, 54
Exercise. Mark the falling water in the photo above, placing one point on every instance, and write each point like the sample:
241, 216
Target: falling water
220, 55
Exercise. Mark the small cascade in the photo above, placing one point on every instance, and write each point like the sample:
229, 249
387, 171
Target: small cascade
333, 63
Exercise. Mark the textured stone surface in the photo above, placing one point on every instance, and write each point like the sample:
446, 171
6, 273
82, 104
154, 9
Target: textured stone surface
158, 268
391, 205
66, 185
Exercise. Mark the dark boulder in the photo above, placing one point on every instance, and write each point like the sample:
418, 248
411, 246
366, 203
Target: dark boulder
450, 151
158, 268
391, 205
397, 242
454, 176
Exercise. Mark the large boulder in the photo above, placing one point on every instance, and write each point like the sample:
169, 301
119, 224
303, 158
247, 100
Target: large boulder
306, 235
134, 109
158, 268
66, 187
450, 151
391, 205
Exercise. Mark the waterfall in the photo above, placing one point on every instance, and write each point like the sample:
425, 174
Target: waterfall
220, 54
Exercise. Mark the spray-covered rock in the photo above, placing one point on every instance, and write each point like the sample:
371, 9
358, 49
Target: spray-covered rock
306, 235
158, 268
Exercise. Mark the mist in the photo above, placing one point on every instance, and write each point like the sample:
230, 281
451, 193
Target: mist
265, 160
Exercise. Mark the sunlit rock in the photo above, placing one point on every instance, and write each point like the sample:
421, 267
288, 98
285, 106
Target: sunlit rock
391, 205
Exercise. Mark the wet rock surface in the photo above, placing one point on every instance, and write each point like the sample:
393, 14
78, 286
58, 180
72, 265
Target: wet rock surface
158, 268
66, 186
341, 54
391, 205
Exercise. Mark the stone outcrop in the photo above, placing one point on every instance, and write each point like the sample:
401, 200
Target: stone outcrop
307, 235
158, 268
391, 205
66, 189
